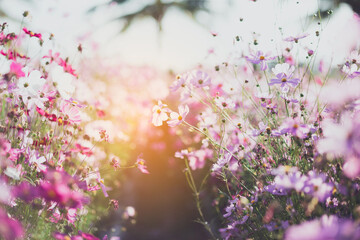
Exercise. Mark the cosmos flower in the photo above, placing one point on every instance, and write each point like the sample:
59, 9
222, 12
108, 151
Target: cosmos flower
159, 114
177, 118
63, 82
199, 79
327, 227
38, 163
180, 82
284, 77
30, 86
224, 103
140, 164
296, 38
32, 34
10, 228
71, 112
260, 58
294, 127
351, 71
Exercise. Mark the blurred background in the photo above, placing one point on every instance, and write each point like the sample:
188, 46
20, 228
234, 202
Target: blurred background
130, 52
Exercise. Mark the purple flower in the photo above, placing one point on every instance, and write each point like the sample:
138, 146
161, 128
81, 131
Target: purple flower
351, 71
286, 178
317, 186
296, 38
239, 207
259, 58
327, 227
295, 128
26, 192
221, 162
284, 73
332, 202
262, 128
230, 231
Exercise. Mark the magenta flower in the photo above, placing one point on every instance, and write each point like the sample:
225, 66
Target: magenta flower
57, 189
32, 34
260, 58
284, 73
26, 192
177, 118
80, 236
10, 229
16, 69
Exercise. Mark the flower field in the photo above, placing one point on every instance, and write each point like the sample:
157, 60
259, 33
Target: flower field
263, 144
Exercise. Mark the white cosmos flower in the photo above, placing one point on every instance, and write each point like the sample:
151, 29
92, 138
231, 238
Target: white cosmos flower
30, 86
64, 82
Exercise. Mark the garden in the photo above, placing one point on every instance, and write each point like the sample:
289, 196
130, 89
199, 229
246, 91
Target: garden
179, 119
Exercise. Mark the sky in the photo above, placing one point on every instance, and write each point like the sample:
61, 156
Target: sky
184, 43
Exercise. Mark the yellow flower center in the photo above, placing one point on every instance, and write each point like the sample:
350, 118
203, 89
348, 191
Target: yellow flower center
287, 169
180, 118
262, 57
283, 80
158, 111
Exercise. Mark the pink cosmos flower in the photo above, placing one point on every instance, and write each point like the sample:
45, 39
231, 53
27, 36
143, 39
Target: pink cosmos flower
71, 112
224, 103
177, 118
16, 69
140, 164
53, 57
101, 182
199, 79
32, 34
10, 228
159, 114
180, 82
38, 163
